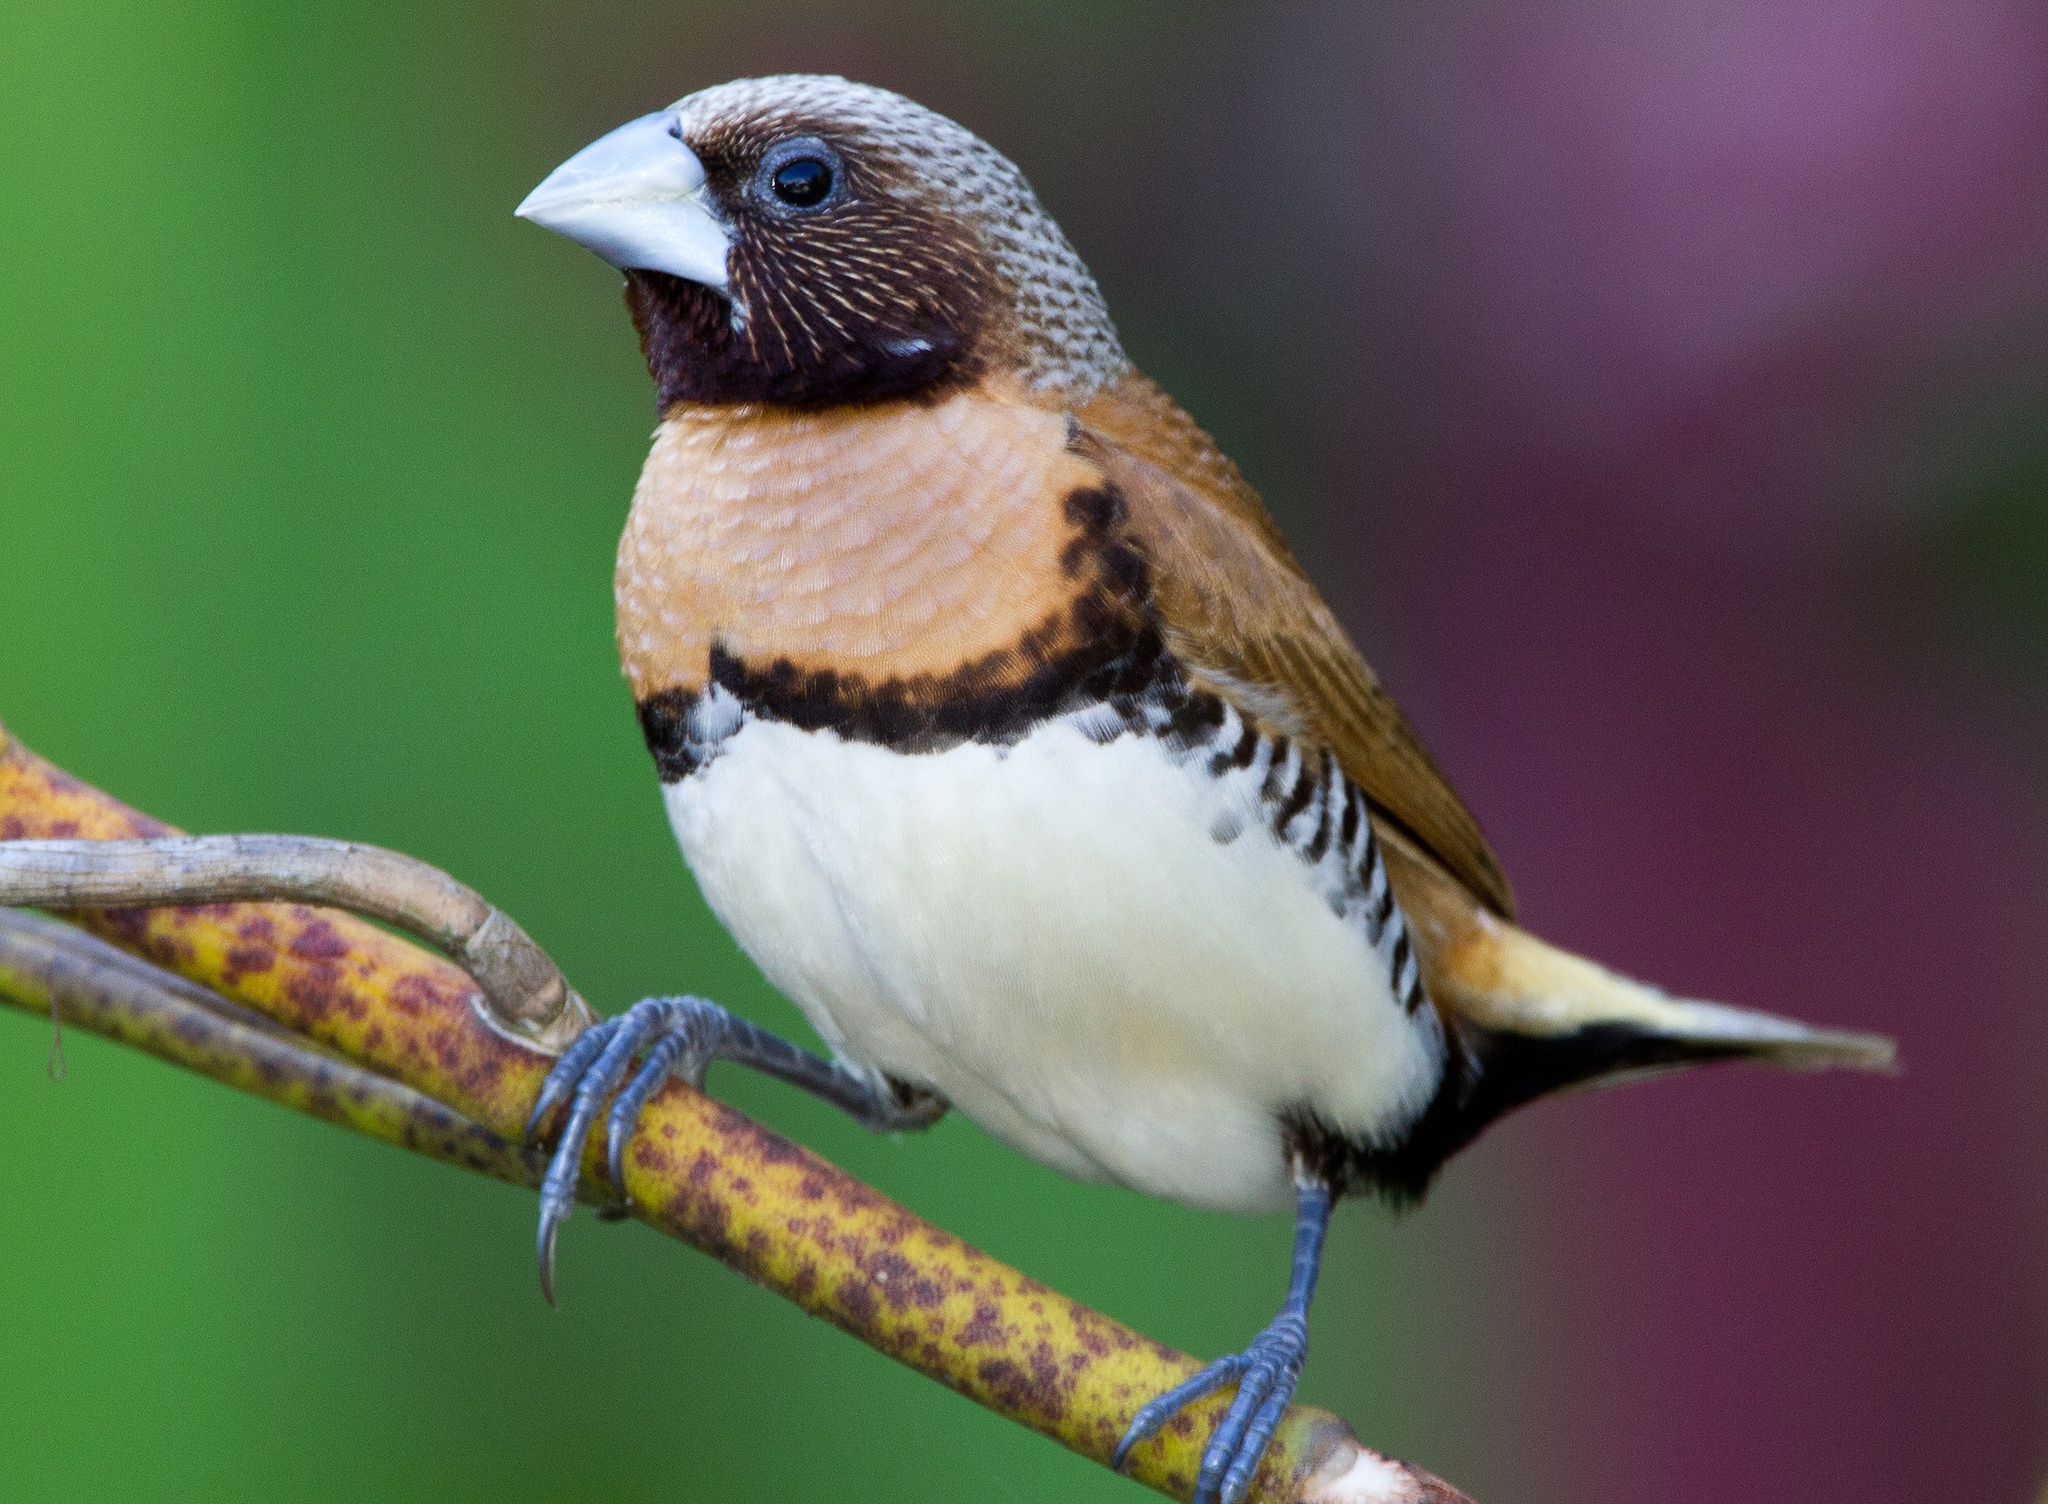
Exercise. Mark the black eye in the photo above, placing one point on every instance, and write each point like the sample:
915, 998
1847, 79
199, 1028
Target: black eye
803, 183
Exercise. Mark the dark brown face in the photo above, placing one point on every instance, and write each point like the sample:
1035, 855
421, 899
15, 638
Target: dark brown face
808, 241
843, 286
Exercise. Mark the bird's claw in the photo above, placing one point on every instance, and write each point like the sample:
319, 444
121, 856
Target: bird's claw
678, 1034
1265, 1374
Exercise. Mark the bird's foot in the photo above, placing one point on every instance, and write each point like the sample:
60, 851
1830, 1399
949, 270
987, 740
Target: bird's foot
680, 1035
1265, 1374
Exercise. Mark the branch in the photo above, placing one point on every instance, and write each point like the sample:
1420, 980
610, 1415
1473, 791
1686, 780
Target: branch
76, 978
696, 1169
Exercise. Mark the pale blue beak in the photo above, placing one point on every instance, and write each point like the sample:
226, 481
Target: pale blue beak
637, 198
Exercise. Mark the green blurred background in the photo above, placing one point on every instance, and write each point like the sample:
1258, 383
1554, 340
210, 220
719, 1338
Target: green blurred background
312, 464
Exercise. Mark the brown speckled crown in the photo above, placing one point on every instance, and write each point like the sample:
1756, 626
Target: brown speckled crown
938, 264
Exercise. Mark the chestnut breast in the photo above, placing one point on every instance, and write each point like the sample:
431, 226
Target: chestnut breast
907, 543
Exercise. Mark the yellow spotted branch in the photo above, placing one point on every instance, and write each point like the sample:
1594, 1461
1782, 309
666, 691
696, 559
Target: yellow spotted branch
386, 1038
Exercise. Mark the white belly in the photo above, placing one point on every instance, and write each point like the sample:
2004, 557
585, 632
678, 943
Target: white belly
1054, 936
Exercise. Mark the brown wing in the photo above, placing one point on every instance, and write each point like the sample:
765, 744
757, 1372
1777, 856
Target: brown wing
1240, 613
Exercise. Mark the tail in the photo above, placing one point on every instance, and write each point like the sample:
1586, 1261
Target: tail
1526, 1019
1560, 1021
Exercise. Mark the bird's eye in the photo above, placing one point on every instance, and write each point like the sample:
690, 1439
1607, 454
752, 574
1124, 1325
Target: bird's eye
803, 183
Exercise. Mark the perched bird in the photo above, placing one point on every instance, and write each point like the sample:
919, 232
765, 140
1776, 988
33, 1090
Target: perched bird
1002, 730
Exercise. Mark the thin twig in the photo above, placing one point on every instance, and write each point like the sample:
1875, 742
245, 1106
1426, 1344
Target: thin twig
526, 989
703, 1173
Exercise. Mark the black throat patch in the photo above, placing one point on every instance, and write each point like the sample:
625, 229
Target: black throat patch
696, 355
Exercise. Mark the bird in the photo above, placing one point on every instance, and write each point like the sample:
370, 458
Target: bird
1003, 731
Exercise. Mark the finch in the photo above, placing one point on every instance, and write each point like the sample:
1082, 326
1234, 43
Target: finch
1003, 732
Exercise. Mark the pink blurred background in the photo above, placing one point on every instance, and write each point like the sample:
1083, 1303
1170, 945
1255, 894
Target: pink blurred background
1663, 339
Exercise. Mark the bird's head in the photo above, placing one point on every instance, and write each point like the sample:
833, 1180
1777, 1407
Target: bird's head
807, 241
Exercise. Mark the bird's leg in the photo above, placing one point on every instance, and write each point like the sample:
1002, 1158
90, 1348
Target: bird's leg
681, 1036
1265, 1373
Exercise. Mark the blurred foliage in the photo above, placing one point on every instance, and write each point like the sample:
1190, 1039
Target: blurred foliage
1989, 556
312, 462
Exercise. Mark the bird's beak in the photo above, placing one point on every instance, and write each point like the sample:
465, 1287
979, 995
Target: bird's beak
637, 198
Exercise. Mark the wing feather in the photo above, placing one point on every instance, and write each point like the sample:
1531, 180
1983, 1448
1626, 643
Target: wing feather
1241, 615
